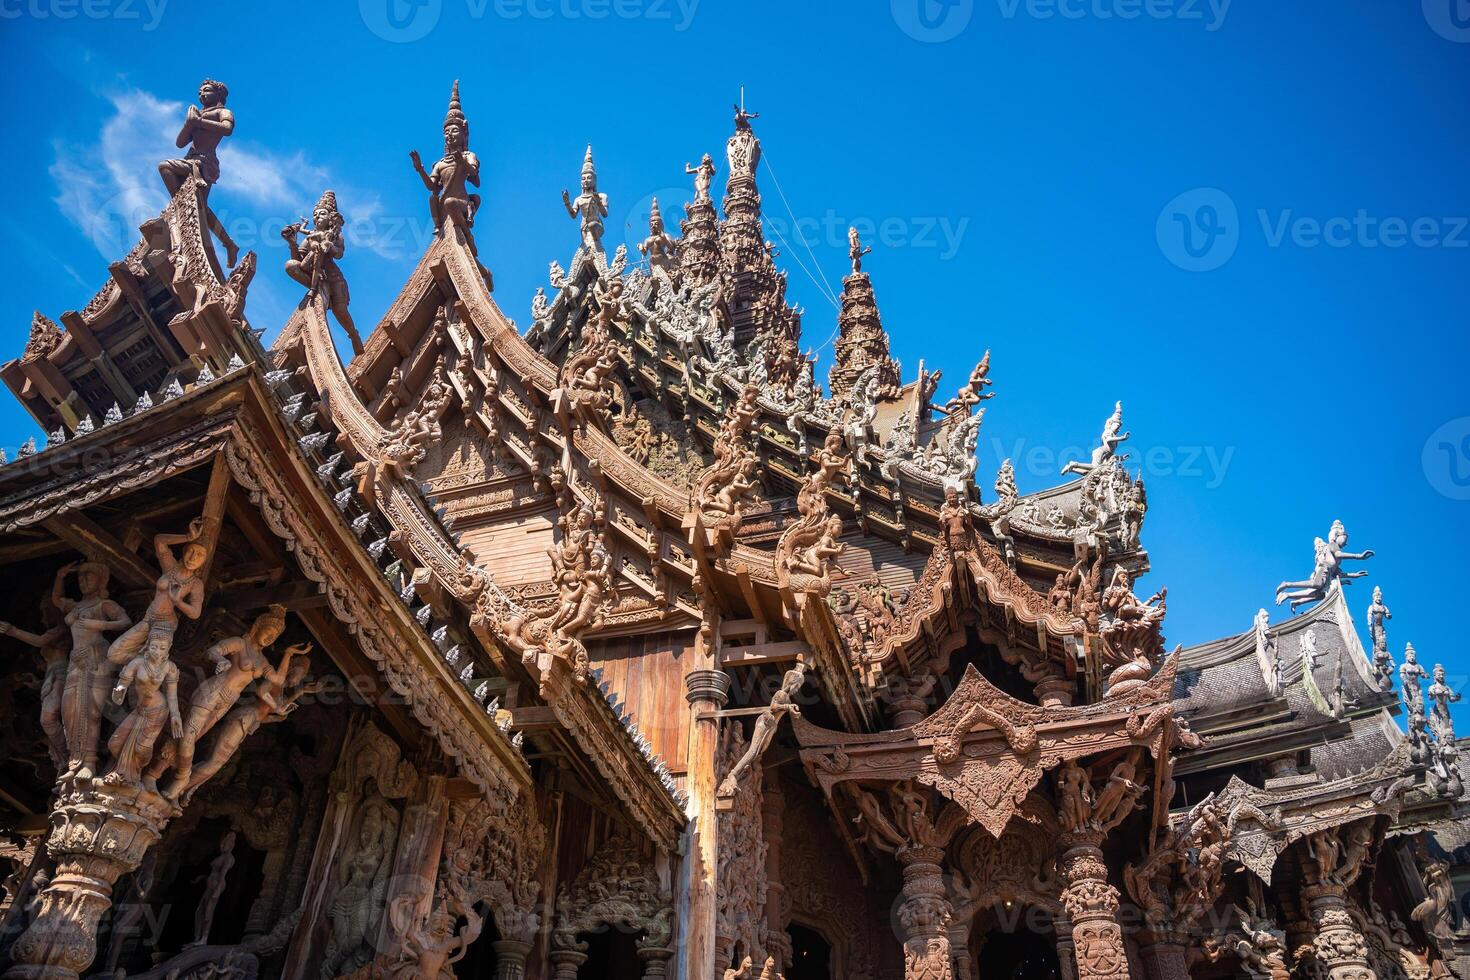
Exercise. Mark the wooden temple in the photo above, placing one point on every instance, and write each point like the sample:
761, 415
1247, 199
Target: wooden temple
617, 647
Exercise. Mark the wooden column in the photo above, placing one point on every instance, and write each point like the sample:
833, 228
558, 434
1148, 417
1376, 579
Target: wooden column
1092, 907
707, 691
1341, 948
510, 959
924, 912
773, 817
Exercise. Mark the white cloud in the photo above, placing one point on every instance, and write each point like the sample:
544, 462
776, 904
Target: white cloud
110, 187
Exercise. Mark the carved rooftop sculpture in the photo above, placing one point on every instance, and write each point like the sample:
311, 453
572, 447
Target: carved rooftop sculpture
618, 646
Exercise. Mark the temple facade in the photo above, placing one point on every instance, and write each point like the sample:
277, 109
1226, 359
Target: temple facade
616, 647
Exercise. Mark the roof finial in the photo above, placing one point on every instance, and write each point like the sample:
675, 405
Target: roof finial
455, 115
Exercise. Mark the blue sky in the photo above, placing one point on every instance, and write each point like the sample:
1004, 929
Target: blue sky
1028, 169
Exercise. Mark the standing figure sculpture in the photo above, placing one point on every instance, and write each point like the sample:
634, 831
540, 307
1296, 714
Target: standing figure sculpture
204, 129
590, 206
89, 669
154, 681
1441, 696
1411, 673
659, 247
238, 662
856, 250
1328, 571
313, 261
179, 590
704, 176
449, 196
53, 646
783, 703
214, 887
1378, 615
1112, 437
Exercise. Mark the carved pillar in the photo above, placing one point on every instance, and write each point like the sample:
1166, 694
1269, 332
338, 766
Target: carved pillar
565, 963
1055, 692
707, 692
923, 914
1340, 947
907, 709
98, 835
1165, 954
773, 814
655, 961
510, 959
1092, 907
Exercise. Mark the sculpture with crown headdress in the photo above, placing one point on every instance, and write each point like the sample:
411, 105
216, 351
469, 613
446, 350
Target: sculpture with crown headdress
448, 183
589, 206
659, 247
238, 662
313, 261
1328, 571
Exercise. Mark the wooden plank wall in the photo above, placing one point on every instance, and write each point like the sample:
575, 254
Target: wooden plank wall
898, 569
647, 673
514, 551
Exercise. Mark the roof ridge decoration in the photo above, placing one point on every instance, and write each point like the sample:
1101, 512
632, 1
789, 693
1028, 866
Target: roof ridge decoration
1328, 571
451, 204
1378, 616
726, 488
809, 545
45, 337
699, 248
861, 340
589, 208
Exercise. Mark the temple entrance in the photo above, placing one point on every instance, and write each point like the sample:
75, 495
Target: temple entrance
1019, 955
480, 959
811, 955
611, 955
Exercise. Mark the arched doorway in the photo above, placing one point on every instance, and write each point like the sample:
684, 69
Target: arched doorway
811, 954
611, 955
1017, 955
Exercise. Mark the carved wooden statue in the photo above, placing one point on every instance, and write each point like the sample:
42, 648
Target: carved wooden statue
89, 669
449, 182
783, 703
313, 261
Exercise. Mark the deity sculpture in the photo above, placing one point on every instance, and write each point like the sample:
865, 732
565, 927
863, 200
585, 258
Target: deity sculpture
153, 680
973, 393
1132, 635
704, 176
1328, 571
582, 570
659, 247
448, 183
179, 590
355, 906
814, 559
89, 669
856, 250
1441, 695
783, 703
53, 645
238, 661
205, 127
1437, 912
1410, 676
313, 261
214, 887
590, 206
276, 696
1383, 666
1112, 437
1268, 654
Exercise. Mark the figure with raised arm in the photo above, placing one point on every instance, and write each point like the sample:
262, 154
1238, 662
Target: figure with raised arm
590, 205
313, 261
88, 670
856, 250
180, 590
206, 126
53, 646
704, 176
783, 703
238, 662
1113, 436
448, 183
659, 247
1378, 616
276, 697
1330, 555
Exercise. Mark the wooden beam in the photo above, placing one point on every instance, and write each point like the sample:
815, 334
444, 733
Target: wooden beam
763, 653
138, 302
96, 542
215, 498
